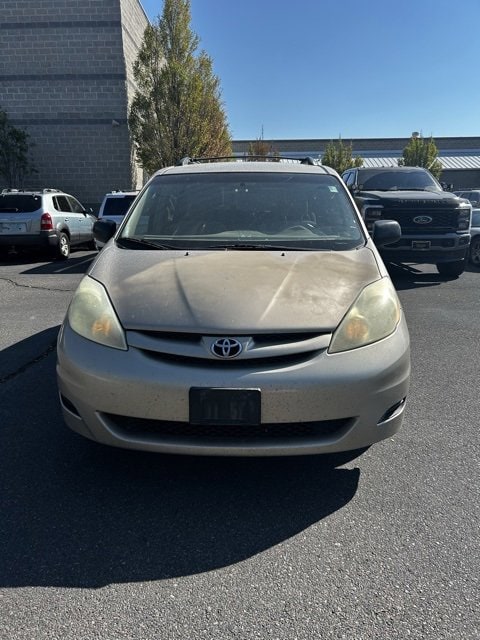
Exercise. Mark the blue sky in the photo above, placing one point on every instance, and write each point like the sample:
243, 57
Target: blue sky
330, 68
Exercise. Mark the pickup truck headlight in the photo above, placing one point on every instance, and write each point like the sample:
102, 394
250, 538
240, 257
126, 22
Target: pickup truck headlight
374, 315
91, 314
464, 217
370, 213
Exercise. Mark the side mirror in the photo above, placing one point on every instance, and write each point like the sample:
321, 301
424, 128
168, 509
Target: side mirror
103, 230
386, 232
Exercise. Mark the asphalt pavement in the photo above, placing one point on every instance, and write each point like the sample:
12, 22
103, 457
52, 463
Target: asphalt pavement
104, 543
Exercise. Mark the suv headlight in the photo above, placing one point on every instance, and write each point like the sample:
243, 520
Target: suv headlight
374, 315
91, 314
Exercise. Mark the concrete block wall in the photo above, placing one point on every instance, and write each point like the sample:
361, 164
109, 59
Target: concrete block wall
65, 77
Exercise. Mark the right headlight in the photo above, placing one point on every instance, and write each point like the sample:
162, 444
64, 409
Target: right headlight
374, 315
91, 314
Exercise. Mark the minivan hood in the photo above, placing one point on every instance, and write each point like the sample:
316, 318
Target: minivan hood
220, 292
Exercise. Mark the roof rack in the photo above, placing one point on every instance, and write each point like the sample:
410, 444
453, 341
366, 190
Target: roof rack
47, 190
266, 158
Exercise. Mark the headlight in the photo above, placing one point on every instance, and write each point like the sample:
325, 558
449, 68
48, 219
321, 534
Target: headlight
374, 315
91, 314
464, 219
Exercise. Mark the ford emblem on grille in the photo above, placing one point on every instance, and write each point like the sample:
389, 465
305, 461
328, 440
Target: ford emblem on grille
226, 348
422, 219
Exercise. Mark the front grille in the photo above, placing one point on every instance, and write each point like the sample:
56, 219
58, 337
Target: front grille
443, 221
177, 431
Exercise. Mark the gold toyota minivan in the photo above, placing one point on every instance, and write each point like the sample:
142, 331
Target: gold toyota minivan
240, 309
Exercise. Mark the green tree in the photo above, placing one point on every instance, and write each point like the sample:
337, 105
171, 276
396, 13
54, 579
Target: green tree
177, 109
15, 162
338, 155
421, 152
261, 148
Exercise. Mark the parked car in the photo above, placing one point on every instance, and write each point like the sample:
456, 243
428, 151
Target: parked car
48, 219
241, 309
475, 241
435, 223
114, 206
473, 195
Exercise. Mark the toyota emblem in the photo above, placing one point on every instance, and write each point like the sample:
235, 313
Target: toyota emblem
226, 348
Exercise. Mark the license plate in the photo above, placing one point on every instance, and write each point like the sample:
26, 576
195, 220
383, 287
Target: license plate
12, 227
420, 244
224, 406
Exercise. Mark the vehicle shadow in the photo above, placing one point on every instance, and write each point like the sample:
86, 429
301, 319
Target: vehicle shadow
76, 514
405, 276
16, 359
75, 264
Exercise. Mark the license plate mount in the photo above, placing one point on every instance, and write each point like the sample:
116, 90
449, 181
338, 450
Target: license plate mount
12, 227
224, 406
421, 244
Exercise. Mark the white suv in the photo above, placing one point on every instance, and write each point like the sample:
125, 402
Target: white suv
46, 219
114, 207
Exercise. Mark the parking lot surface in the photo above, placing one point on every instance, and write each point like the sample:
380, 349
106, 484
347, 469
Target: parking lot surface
102, 543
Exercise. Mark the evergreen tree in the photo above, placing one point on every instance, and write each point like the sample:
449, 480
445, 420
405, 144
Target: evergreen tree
177, 109
421, 152
15, 162
338, 155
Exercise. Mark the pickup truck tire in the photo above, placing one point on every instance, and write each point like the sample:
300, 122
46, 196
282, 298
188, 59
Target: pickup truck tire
62, 250
451, 269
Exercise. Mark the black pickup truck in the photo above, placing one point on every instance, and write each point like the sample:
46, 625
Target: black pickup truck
435, 223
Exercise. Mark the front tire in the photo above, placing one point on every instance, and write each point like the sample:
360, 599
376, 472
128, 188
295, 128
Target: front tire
451, 269
474, 254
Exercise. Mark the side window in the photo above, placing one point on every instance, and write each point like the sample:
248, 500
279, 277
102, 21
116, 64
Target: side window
346, 176
75, 205
350, 179
61, 203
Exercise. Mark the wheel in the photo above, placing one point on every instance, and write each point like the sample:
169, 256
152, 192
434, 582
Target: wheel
452, 269
62, 250
474, 254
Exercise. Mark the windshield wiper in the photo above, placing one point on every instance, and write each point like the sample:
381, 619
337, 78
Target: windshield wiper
258, 247
141, 242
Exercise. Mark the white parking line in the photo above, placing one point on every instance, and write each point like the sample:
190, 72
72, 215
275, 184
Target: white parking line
73, 266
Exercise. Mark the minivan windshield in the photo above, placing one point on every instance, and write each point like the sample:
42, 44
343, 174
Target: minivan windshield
244, 210
415, 179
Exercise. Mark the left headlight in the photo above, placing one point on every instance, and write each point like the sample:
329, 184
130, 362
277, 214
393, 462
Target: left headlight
91, 314
374, 315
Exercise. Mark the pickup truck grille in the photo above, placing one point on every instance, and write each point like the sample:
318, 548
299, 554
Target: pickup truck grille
443, 221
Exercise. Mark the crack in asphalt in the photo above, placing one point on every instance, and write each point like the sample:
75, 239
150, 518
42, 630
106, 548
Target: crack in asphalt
32, 286
29, 364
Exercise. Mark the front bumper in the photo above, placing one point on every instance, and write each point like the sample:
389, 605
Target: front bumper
446, 248
127, 398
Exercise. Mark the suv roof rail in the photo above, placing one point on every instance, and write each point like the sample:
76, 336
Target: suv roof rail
46, 190
246, 158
